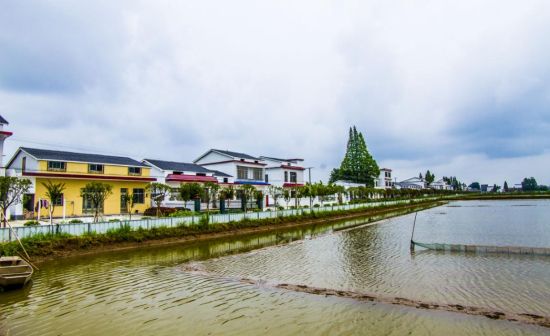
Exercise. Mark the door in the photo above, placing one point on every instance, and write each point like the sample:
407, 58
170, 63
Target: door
123, 204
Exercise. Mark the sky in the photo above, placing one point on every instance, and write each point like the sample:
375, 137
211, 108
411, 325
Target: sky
458, 87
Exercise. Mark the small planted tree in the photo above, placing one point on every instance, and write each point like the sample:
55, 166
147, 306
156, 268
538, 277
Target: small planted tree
54, 192
227, 193
287, 196
275, 193
210, 192
12, 190
159, 192
129, 200
248, 193
96, 193
189, 191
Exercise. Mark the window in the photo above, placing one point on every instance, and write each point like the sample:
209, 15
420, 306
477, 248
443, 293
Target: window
200, 174
139, 196
293, 177
95, 168
242, 173
286, 176
225, 180
136, 171
24, 164
257, 173
57, 166
266, 178
58, 201
177, 173
87, 205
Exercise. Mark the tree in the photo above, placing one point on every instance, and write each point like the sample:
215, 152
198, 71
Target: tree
287, 196
505, 188
189, 191
275, 193
129, 200
529, 184
429, 177
475, 186
420, 176
210, 193
11, 191
358, 165
159, 192
248, 193
227, 193
54, 193
96, 193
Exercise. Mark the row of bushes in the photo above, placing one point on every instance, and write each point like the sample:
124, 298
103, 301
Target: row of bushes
47, 244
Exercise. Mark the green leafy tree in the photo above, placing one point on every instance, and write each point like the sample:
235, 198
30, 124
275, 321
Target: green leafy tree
210, 192
287, 196
358, 165
129, 200
505, 188
189, 191
96, 193
54, 193
475, 186
248, 193
12, 190
227, 193
275, 193
159, 192
529, 184
429, 177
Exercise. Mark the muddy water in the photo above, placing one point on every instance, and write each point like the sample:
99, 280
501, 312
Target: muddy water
148, 291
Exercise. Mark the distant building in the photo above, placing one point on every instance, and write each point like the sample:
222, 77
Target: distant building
3, 136
416, 183
384, 180
286, 173
441, 184
246, 169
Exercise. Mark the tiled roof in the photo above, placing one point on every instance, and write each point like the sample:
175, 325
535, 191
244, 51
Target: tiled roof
281, 160
54, 155
219, 173
178, 166
3, 121
236, 154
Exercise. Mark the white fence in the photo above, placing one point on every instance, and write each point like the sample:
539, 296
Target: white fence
78, 229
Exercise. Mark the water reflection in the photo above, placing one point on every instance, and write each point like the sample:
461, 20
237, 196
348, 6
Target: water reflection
145, 292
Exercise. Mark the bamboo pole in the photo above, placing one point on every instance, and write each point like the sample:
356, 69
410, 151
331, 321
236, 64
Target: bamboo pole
412, 235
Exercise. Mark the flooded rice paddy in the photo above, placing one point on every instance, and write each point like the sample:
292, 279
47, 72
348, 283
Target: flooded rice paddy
150, 291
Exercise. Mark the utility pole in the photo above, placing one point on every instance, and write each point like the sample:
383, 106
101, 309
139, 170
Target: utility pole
309, 177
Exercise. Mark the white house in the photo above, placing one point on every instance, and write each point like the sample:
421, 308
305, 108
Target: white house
412, 183
242, 168
441, 185
384, 179
175, 173
286, 173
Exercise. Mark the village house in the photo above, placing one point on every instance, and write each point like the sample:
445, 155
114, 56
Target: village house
75, 170
286, 173
239, 167
441, 184
416, 183
384, 180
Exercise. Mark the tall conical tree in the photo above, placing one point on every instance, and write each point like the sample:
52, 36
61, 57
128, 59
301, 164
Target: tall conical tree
358, 165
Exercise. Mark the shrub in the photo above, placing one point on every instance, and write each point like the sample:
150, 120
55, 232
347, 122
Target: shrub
163, 211
327, 205
306, 207
204, 220
280, 208
31, 223
114, 220
181, 213
316, 205
75, 221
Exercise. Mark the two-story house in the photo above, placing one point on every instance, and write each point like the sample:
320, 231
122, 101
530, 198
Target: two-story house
239, 167
75, 170
286, 173
384, 180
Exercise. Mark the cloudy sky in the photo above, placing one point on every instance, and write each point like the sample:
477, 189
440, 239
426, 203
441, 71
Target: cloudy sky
459, 87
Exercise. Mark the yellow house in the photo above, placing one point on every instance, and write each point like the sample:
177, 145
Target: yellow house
75, 170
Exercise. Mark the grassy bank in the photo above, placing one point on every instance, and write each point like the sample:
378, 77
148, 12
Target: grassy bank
53, 245
502, 196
